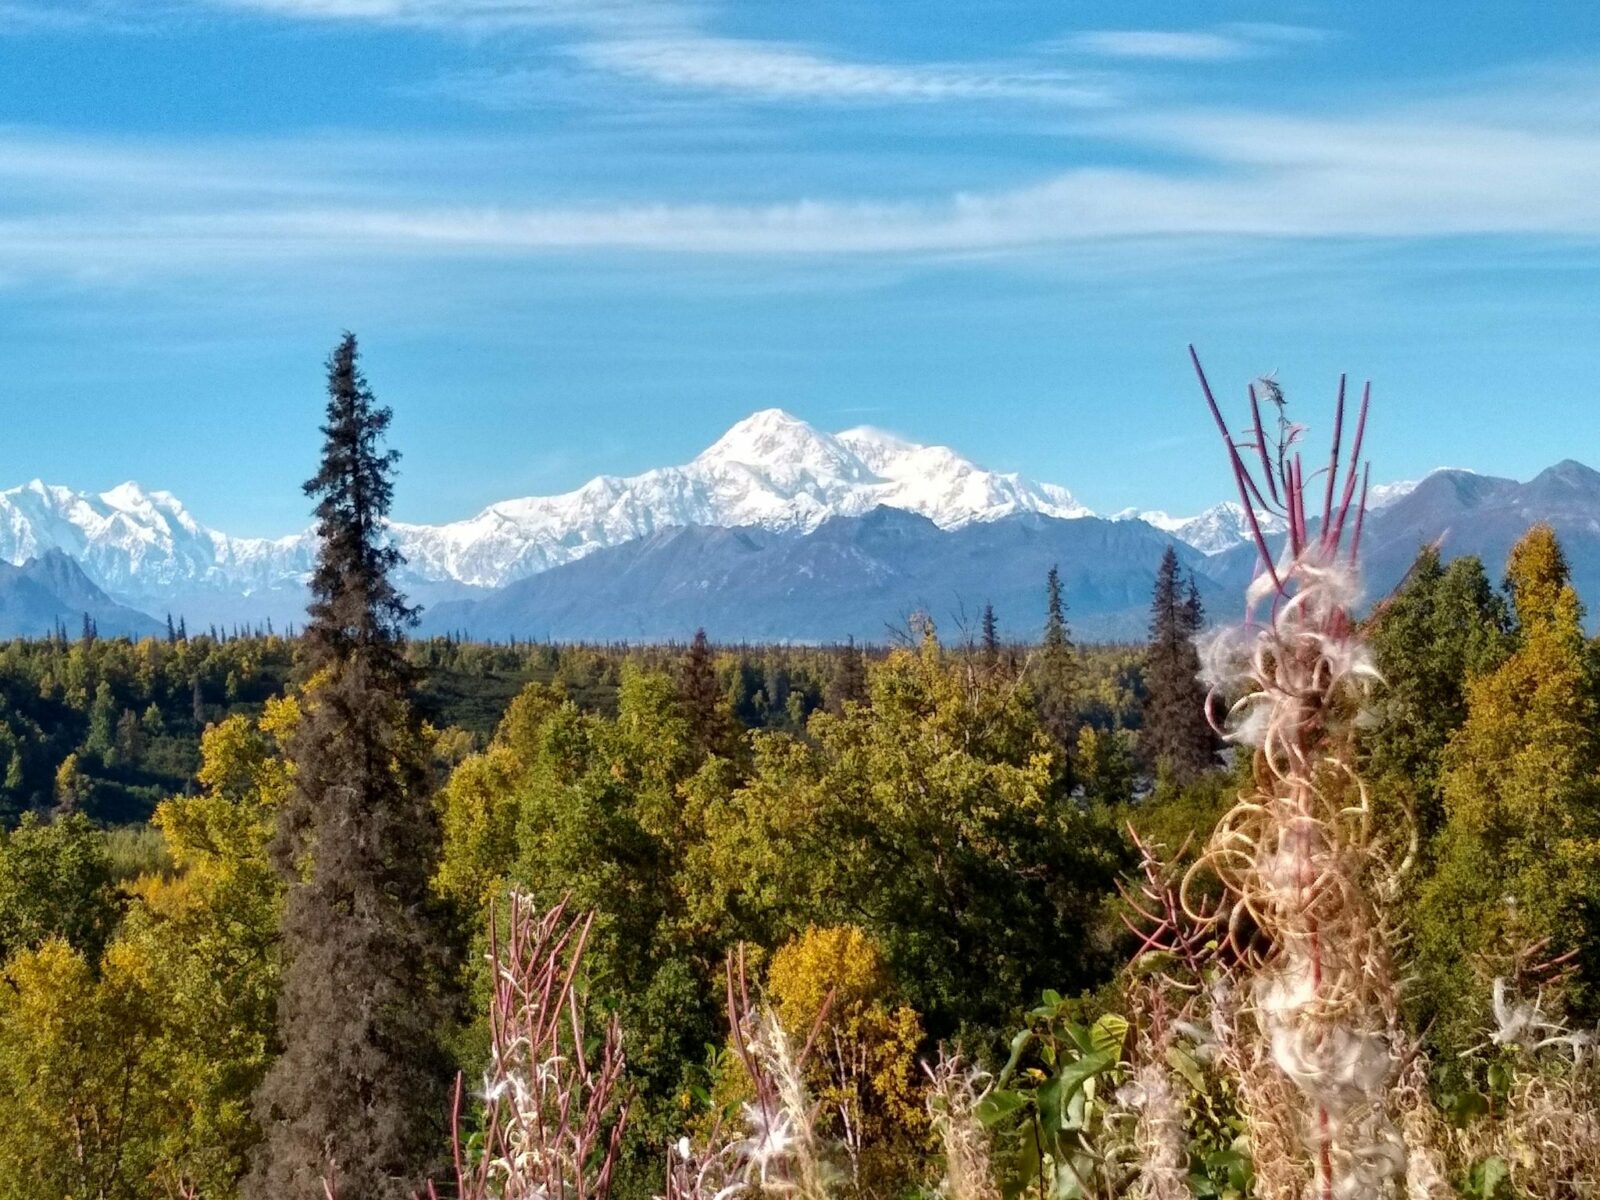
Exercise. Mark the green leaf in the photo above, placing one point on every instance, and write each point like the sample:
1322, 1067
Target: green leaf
1499, 1079
997, 1106
1075, 1074
1108, 1034
1081, 1037
1019, 1047
1181, 1061
1490, 1179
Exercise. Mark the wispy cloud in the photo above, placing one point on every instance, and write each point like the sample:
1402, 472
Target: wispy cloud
777, 71
1169, 45
1245, 39
664, 43
473, 15
1417, 173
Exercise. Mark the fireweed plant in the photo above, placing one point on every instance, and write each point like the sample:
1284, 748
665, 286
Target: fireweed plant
1304, 881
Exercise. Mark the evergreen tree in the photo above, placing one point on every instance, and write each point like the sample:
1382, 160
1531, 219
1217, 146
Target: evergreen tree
88, 629
358, 1091
991, 639
849, 683
1055, 682
183, 630
172, 633
1520, 852
1444, 627
711, 728
1177, 737
102, 739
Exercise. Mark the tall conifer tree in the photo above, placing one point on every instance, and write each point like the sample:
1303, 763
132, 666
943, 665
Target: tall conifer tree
704, 702
849, 683
1056, 673
1177, 737
358, 1091
1519, 859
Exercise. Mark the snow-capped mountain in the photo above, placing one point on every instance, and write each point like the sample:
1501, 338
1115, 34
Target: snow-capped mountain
771, 470
1220, 527
1223, 526
132, 541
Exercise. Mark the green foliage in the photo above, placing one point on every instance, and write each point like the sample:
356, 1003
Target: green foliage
357, 1093
1052, 1102
56, 882
1519, 857
1176, 737
1445, 627
933, 818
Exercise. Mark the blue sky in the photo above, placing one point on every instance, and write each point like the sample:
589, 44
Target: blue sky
584, 236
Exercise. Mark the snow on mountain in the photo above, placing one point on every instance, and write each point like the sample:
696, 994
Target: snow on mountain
1223, 526
1220, 527
771, 469
139, 542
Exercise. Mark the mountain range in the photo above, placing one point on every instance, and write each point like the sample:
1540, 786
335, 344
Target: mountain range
777, 530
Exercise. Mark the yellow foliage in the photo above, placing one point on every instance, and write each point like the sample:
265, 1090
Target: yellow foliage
840, 959
478, 818
863, 1067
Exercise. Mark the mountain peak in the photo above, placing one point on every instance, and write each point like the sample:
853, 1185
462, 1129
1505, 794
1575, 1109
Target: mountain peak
763, 437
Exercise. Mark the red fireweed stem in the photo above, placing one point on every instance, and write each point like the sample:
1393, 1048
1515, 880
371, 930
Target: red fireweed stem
1239, 471
1261, 446
1296, 498
1325, 1154
455, 1133
1361, 515
1333, 457
1355, 464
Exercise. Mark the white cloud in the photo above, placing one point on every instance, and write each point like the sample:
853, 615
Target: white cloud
1170, 45
775, 71
1424, 172
1239, 39
471, 14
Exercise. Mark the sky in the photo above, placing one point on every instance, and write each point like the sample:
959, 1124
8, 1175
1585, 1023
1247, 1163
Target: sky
585, 236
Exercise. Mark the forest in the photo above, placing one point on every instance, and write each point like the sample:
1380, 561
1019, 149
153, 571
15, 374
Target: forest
348, 914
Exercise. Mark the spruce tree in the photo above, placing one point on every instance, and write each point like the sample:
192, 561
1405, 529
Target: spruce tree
1519, 856
1446, 626
711, 728
357, 1093
172, 633
849, 683
1055, 683
1177, 738
991, 639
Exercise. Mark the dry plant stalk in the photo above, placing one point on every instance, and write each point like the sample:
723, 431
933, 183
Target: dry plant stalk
955, 1090
780, 1151
1548, 1132
554, 1112
1296, 856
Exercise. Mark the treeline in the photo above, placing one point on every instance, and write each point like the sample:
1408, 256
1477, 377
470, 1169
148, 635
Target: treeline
109, 727
269, 994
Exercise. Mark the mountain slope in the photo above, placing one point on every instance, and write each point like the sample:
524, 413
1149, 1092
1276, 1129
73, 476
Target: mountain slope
1473, 514
851, 577
771, 471
52, 589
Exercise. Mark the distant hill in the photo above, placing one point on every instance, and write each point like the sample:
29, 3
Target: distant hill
852, 577
52, 589
1471, 514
